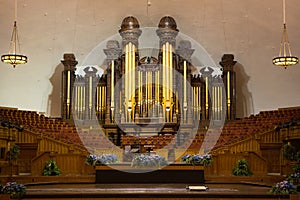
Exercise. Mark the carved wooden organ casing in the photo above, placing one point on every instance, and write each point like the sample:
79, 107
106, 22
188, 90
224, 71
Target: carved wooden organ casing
165, 88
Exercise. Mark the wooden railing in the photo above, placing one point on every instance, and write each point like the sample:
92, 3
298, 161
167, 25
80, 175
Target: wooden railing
46, 143
289, 133
224, 163
69, 164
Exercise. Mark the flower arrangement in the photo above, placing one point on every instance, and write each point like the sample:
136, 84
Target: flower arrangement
283, 187
143, 160
105, 159
294, 178
196, 159
15, 190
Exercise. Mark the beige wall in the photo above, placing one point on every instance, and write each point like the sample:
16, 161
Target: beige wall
250, 29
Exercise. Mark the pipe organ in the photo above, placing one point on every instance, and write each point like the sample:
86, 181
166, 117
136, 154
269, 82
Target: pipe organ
149, 89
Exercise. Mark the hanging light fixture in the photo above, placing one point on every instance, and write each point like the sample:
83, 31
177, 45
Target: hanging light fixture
285, 58
13, 57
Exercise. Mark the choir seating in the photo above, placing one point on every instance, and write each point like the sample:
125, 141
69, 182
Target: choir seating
55, 138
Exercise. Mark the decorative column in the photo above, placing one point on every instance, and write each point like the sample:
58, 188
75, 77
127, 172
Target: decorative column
185, 52
68, 79
112, 53
229, 80
130, 32
167, 32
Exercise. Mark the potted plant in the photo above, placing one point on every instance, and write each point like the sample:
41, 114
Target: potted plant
12, 155
51, 169
289, 151
241, 169
12, 190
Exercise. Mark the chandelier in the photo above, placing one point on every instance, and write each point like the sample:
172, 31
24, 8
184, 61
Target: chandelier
13, 57
285, 58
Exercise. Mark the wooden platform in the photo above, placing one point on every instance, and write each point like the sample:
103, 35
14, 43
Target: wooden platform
173, 173
75, 191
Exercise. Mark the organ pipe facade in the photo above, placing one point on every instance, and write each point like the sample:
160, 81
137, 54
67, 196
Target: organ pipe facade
151, 89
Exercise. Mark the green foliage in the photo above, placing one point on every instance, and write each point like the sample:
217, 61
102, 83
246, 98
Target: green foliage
289, 152
51, 169
296, 169
297, 157
13, 153
241, 169
142, 160
105, 159
204, 160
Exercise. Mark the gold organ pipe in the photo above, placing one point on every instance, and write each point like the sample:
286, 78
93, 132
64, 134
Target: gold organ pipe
228, 93
193, 99
141, 92
198, 100
120, 95
220, 101
79, 99
90, 92
150, 85
68, 87
164, 74
112, 84
215, 102
216, 99
150, 89
157, 91
184, 84
146, 92
171, 71
76, 99
126, 72
100, 102
167, 70
129, 70
177, 103
83, 98
103, 103
133, 74
158, 86
104, 106
206, 103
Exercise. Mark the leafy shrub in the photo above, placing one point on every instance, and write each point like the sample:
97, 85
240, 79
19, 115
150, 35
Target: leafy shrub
297, 157
13, 153
289, 152
51, 169
241, 169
